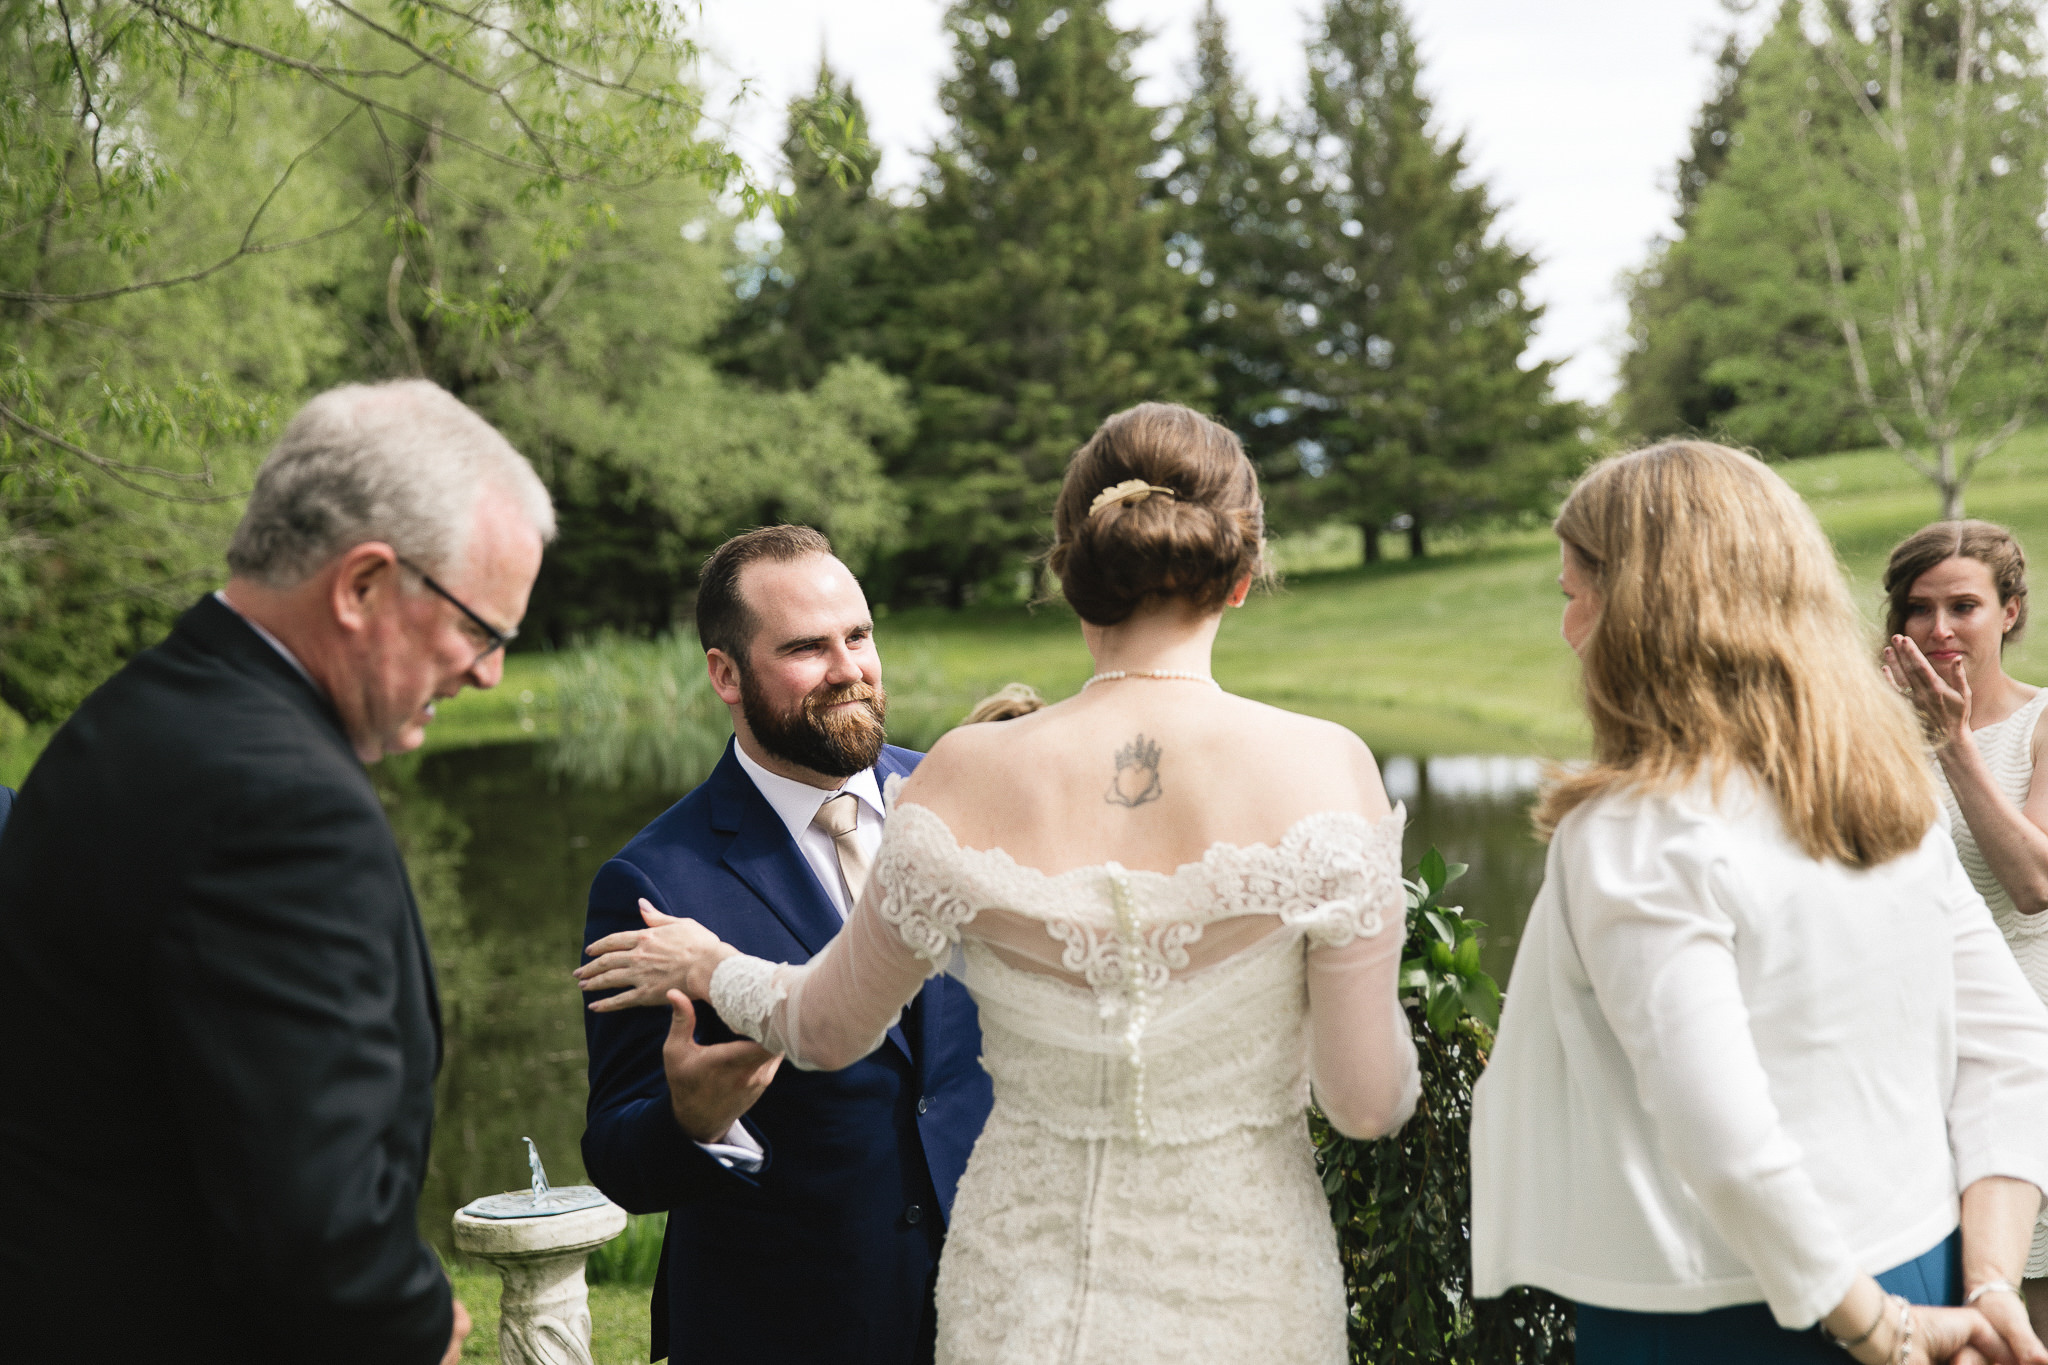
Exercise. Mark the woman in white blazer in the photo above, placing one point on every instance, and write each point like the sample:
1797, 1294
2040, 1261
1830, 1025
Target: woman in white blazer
1766, 1062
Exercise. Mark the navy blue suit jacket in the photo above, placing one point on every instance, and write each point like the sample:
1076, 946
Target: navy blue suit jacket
828, 1253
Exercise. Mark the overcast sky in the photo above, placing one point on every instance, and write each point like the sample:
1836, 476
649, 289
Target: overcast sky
1575, 111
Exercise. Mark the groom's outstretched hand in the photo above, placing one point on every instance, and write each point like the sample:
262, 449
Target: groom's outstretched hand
710, 1087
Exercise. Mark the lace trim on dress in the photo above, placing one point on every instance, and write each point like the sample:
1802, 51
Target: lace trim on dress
1329, 875
1333, 876
744, 992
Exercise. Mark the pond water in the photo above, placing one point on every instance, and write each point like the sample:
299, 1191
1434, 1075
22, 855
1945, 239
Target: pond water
502, 851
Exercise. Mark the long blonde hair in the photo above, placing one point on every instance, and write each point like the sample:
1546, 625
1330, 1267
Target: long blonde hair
1726, 639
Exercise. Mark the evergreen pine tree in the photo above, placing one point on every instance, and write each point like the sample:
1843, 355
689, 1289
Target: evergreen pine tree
816, 297
1041, 298
1419, 408
1235, 194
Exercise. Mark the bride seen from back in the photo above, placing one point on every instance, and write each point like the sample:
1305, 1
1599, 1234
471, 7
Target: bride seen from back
1178, 911
1151, 764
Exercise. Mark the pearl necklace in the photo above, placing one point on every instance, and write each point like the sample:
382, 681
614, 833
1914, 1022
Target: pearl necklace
1173, 674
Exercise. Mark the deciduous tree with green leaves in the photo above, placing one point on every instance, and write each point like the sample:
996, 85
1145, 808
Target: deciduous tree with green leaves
1926, 199
1866, 263
181, 182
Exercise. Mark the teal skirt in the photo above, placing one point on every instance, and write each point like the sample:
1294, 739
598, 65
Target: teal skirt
1746, 1331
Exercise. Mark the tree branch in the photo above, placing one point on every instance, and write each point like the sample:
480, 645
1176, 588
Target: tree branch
244, 248
118, 470
323, 76
86, 109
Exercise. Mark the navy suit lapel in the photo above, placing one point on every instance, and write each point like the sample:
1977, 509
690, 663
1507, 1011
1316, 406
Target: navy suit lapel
763, 856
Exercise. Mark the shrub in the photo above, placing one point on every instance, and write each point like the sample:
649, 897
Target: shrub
1403, 1204
632, 1257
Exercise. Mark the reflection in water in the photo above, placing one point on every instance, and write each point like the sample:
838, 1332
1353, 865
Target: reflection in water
501, 854
502, 843
1476, 809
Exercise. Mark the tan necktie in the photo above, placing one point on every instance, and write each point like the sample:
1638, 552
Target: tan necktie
839, 817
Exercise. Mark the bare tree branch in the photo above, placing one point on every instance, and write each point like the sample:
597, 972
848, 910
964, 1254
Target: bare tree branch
86, 109
244, 248
511, 35
118, 470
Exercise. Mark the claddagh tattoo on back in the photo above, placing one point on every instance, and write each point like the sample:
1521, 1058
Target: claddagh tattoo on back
1137, 774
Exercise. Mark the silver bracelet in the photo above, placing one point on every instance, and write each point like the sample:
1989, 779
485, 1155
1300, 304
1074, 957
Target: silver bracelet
1904, 1350
1851, 1343
1992, 1287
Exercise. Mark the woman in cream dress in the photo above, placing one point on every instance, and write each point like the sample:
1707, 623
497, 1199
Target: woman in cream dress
1956, 596
1178, 911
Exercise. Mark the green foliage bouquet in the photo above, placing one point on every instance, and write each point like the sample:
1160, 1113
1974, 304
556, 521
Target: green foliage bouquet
1403, 1204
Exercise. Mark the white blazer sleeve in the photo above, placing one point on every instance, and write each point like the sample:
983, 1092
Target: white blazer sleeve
1642, 904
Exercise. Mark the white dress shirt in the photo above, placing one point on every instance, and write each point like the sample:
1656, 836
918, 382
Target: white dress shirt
797, 804
1730, 1072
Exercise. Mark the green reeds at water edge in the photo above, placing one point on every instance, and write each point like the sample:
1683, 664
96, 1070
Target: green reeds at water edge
632, 1257
635, 713
642, 713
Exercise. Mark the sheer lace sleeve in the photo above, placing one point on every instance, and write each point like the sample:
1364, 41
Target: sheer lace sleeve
1362, 1059
837, 1008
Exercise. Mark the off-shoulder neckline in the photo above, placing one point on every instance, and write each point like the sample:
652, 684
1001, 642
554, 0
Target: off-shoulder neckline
1215, 853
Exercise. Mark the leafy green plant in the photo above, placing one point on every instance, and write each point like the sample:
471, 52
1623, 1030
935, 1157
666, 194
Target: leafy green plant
633, 1256
1402, 1204
1445, 974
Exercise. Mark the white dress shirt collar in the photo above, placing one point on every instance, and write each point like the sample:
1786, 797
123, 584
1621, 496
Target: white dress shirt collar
270, 640
797, 802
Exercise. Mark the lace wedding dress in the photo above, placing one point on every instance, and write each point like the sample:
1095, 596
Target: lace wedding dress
1145, 1189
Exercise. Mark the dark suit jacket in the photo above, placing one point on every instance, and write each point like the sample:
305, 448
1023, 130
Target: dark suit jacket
218, 1030
6, 805
827, 1255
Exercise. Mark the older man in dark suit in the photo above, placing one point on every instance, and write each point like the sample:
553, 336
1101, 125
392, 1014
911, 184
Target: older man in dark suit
218, 1027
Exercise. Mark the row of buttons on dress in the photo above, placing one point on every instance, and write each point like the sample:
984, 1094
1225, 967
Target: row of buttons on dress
914, 1214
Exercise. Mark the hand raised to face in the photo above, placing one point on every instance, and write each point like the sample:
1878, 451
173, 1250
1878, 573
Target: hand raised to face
1942, 697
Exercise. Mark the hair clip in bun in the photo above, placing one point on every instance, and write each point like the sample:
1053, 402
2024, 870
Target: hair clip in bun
1130, 490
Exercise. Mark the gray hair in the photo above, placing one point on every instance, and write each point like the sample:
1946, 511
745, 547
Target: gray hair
403, 462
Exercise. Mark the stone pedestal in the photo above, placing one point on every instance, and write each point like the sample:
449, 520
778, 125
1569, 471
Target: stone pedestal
544, 1313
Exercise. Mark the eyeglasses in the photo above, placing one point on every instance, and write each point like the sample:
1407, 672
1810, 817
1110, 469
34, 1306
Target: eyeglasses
498, 638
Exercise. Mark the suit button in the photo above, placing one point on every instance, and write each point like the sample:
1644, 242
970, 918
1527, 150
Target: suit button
922, 1104
913, 1215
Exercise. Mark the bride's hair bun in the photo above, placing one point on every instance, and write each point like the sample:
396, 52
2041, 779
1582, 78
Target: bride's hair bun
1192, 544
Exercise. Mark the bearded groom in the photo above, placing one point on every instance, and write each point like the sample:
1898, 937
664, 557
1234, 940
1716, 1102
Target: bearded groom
806, 1209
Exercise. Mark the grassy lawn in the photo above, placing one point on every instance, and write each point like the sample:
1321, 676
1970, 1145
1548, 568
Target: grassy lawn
1454, 654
